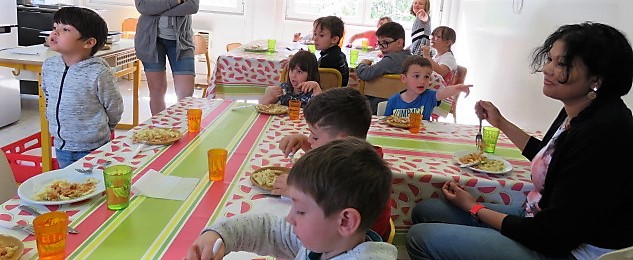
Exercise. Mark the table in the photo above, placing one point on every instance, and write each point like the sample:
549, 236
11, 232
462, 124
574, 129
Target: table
154, 228
121, 55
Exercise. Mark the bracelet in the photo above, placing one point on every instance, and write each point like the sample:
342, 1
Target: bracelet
474, 210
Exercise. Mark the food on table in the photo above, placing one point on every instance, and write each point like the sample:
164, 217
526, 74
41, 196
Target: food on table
272, 109
7, 251
266, 176
157, 135
490, 165
472, 158
60, 190
255, 47
397, 121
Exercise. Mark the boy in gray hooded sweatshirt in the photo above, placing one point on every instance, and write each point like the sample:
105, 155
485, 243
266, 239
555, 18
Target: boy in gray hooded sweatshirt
83, 104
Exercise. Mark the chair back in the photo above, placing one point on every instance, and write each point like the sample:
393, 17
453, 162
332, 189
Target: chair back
128, 28
8, 185
201, 47
330, 78
382, 87
458, 78
382, 106
392, 231
233, 45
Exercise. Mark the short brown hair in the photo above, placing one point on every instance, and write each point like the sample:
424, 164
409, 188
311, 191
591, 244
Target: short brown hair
344, 110
448, 34
306, 62
415, 60
335, 25
344, 173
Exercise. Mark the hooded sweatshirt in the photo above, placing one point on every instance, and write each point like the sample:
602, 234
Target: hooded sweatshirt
267, 234
83, 105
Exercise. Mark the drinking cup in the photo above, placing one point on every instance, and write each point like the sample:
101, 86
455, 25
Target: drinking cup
272, 43
50, 235
294, 108
311, 48
117, 179
217, 163
365, 45
353, 57
490, 137
415, 122
194, 116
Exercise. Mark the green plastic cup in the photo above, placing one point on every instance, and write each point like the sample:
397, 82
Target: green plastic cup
117, 179
272, 44
353, 57
490, 137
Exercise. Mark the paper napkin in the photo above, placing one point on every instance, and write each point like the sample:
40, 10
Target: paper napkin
157, 185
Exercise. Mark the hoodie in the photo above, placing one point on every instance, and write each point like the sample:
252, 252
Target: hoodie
83, 104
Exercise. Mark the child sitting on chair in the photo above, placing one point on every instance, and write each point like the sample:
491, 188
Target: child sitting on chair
302, 81
328, 33
416, 75
337, 191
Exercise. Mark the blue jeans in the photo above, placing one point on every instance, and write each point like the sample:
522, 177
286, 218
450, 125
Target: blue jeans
443, 231
183, 66
65, 158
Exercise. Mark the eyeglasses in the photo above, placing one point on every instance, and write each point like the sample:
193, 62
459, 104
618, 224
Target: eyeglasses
385, 43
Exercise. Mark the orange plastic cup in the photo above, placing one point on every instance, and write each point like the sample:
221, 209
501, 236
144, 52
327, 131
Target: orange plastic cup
194, 116
415, 122
50, 235
294, 108
217, 163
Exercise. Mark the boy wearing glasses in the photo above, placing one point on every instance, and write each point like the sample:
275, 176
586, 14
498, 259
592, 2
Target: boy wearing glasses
328, 32
391, 43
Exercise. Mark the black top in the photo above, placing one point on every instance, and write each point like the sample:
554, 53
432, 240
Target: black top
334, 58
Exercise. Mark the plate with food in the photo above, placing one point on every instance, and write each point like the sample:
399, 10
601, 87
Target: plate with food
271, 109
62, 186
369, 48
397, 121
266, 176
11, 248
157, 136
483, 162
255, 48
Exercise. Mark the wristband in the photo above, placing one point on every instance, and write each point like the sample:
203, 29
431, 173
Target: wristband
475, 209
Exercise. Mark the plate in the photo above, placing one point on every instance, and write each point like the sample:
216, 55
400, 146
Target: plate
157, 136
507, 166
271, 109
369, 48
402, 122
256, 48
34, 185
6, 241
277, 170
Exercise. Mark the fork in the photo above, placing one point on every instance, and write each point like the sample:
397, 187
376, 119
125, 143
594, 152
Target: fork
89, 169
479, 137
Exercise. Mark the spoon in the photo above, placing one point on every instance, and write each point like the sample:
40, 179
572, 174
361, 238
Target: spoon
89, 169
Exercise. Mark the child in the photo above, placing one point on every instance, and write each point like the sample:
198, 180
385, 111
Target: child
421, 29
328, 32
391, 44
370, 35
83, 105
330, 215
334, 114
302, 81
443, 62
416, 75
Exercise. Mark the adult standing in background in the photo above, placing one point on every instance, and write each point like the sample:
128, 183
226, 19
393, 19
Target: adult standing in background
421, 30
164, 31
369, 35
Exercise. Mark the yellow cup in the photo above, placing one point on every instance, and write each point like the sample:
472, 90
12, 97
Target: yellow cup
415, 122
194, 116
272, 44
50, 235
365, 45
294, 108
217, 163
311, 48
353, 57
117, 179
490, 137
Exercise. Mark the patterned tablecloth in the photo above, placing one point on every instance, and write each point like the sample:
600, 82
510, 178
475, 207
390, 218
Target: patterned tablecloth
156, 228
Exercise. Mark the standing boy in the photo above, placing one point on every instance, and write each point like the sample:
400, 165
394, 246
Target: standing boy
391, 43
328, 32
83, 105
337, 191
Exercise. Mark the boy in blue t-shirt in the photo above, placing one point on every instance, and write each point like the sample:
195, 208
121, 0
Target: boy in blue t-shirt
416, 75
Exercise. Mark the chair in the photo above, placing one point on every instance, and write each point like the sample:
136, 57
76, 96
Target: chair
458, 78
622, 254
382, 106
128, 28
201, 46
330, 78
382, 87
233, 45
392, 231
8, 185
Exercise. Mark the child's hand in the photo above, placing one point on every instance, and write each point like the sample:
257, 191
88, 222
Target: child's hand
290, 144
280, 185
274, 91
310, 86
422, 15
202, 248
464, 88
296, 37
367, 61
426, 51
349, 45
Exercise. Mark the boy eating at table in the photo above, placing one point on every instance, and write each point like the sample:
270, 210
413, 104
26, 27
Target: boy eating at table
328, 32
333, 114
337, 191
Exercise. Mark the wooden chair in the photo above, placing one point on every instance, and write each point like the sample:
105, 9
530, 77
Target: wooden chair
8, 185
232, 45
392, 231
382, 87
201, 47
330, 78
128, 28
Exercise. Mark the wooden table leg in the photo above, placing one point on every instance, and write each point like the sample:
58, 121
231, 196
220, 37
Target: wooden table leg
47, 158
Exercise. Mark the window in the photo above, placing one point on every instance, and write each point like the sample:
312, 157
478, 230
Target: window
226, 6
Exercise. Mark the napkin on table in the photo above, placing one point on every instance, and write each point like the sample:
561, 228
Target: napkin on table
157, 185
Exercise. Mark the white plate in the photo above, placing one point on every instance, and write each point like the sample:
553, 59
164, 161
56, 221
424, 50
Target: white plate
34, 185
507, 165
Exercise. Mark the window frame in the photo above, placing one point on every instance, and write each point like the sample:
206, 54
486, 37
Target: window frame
205, 5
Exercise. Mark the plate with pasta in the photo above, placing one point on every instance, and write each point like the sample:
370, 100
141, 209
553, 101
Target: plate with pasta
271, 109
484, 162
61, 186
265, 177
157, 136
11, 248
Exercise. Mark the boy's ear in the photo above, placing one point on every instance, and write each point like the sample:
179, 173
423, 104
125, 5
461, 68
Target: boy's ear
349, 222
91, 42
335, 40
403, 77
